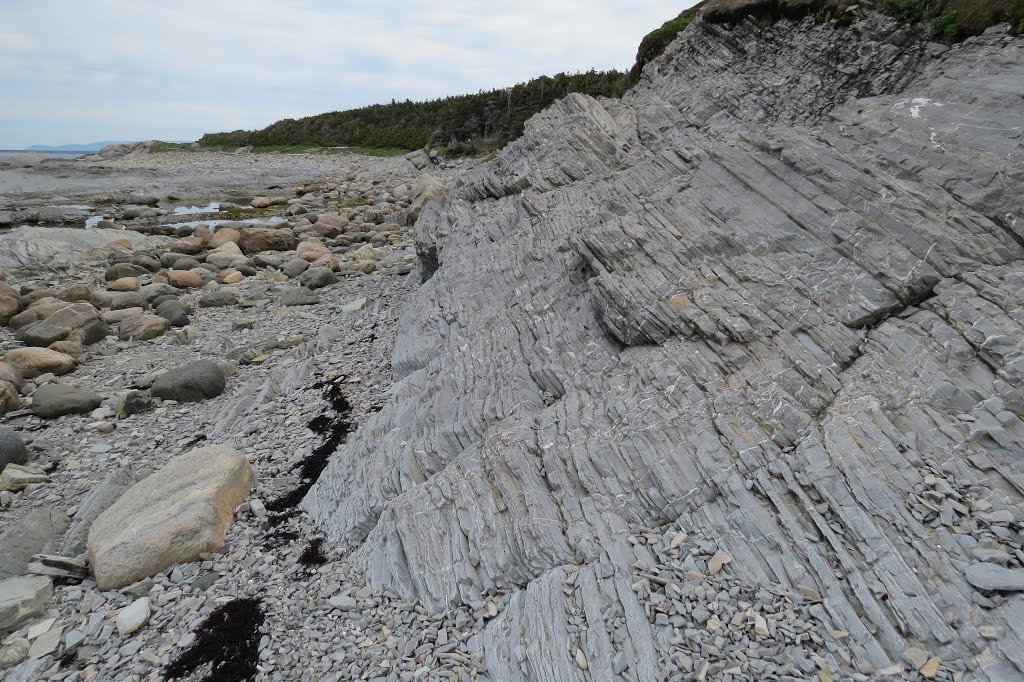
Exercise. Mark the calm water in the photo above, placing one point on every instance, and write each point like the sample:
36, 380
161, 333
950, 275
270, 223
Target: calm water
54, 155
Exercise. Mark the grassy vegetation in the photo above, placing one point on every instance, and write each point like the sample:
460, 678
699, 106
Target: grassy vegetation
655, 42
464, 124
170, 146
954, 20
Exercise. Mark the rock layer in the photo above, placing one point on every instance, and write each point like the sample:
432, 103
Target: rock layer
771, 299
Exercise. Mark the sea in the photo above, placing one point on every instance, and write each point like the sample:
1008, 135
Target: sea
57, 155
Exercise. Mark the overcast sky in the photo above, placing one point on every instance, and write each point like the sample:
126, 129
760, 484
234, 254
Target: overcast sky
89, 70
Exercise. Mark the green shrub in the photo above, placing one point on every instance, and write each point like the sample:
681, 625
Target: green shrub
947, 26
907, 10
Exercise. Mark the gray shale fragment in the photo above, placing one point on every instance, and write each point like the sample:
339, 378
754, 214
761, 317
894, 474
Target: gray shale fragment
777, 312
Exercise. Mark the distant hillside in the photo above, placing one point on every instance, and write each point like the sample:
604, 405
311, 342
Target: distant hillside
462, 124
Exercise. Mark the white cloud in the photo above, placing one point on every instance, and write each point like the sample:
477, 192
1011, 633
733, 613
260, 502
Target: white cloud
120, 68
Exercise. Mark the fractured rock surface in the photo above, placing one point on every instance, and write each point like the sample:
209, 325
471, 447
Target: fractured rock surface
769, 302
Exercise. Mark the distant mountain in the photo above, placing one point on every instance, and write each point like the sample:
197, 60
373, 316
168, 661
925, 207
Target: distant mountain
90, 147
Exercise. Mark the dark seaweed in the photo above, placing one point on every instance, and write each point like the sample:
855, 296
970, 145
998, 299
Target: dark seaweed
228, 641
313, 555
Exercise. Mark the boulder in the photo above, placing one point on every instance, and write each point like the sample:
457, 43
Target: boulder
79, 319
151, 292
192, 383
42, 295
9, 307
317, 278
128, 299
168, 259
188, 245
12, 448
261, 202
173, 516
255, 240
10, 400
218, 298
31, 362
329, 261
148, 262
118, 316
56, 400
187, 263
175, 312
311, 251
225, 235
10, 397
102, 298
270, 259
430, 190
185, 279
75, 293
11, 375
125, 284
23, 597
143, 327
295, 267
419, 159
121, 270
70, 347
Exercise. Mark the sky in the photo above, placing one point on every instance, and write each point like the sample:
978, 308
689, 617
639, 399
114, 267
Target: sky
92, 70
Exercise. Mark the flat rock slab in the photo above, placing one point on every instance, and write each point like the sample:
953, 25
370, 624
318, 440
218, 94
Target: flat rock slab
190, 384
173, 516
986, 576
36, 533
55, 400
23, 597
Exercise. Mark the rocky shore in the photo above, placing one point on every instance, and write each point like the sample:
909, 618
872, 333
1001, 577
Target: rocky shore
133, 351
718, 381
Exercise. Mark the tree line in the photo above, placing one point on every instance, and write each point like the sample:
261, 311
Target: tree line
461, 124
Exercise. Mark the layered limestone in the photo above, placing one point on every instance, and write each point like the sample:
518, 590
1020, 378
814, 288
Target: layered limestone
772, 300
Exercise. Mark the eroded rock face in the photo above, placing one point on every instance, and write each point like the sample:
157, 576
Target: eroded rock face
172, 516
774, 310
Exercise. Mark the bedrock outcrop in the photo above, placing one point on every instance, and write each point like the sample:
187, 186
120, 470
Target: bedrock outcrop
750, 336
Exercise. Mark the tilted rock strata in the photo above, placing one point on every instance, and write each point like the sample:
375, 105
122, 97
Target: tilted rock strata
738, 303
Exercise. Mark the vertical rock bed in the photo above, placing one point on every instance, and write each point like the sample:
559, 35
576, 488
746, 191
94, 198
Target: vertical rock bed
721, 380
